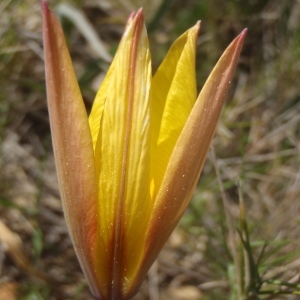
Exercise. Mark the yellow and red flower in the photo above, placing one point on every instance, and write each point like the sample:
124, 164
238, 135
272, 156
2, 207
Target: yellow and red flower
127, 173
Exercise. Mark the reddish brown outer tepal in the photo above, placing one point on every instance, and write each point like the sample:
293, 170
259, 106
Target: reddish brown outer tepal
72, 145
188, 157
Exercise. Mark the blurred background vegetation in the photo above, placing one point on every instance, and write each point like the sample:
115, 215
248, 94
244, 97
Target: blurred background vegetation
239, 238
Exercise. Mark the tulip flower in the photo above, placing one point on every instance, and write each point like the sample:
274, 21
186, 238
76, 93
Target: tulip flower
127, 173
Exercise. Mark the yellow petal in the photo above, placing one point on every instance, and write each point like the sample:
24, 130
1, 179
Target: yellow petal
173, 97
189, 154
72, 146
99, 102
123, 156
98, 105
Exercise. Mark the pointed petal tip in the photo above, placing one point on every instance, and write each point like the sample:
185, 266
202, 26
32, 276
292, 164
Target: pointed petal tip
242, 35
135, 17
46, 13
197, 26
131, 16
136, 21
140, 10
195, 29
139, 16
44, 6
136, 14
237, 44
